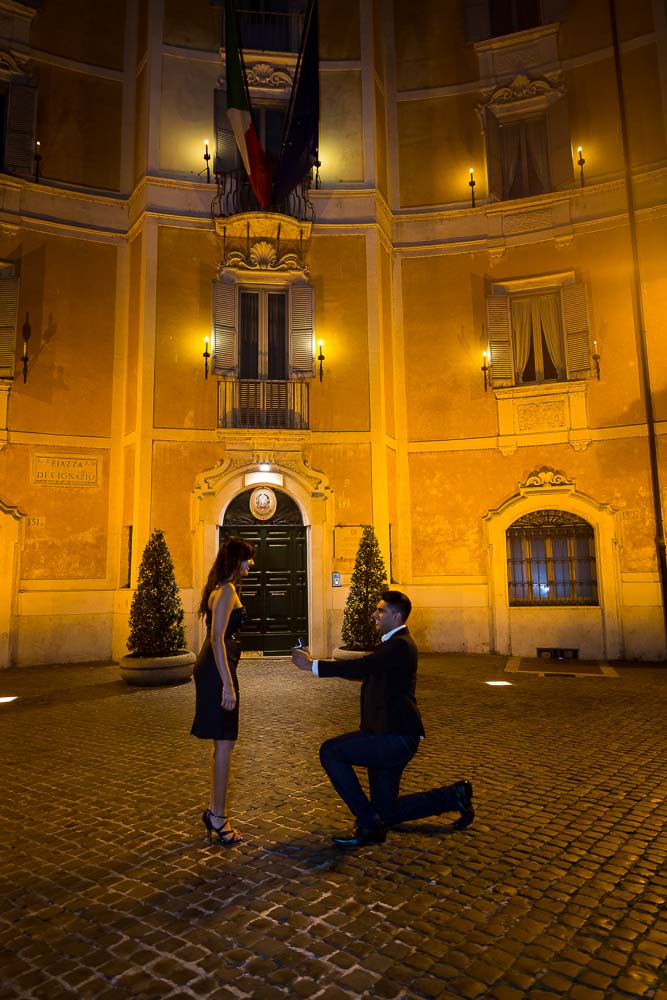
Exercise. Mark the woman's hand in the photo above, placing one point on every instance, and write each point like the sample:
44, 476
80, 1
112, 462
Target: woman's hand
228, 699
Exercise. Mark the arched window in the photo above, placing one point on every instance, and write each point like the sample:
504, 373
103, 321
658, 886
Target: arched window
551, 560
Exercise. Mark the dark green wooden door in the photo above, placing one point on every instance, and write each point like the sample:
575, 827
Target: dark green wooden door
275, 593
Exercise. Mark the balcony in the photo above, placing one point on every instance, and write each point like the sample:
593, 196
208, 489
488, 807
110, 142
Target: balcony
235, 196
257, 403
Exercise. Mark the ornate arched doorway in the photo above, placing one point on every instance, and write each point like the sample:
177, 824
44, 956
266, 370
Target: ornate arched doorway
275, 593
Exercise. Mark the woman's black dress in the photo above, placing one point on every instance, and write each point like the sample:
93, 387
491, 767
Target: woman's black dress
212, 722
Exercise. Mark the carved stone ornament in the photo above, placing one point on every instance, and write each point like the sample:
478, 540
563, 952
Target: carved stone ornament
12, 64
265, 75
546, 477
522, 95
263, 256
263, 503
523, 87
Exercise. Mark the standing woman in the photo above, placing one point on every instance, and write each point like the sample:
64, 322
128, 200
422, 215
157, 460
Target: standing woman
217, 690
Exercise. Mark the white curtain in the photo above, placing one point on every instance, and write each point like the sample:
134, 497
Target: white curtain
522, 332
547, 313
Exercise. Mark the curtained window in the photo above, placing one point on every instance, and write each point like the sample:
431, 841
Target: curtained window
538, 331
525, 158
538, 339
551, 560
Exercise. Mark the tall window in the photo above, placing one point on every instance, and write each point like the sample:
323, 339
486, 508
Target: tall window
263, 344
525, 158
538, 331
270, 123
551, 560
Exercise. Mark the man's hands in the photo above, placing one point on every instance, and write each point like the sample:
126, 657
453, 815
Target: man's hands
302, 659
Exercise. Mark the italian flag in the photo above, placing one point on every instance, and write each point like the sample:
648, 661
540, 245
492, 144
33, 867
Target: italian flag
255, 160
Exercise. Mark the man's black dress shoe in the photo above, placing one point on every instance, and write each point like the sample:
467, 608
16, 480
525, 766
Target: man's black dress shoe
361, 836
463, 795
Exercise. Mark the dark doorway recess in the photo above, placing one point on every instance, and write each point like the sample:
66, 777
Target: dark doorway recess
275, 592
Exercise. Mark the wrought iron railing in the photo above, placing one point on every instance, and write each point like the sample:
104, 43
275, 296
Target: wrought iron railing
234, 195
268, 31
273, 403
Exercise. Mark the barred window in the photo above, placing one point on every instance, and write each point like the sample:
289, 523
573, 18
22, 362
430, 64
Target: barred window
551, 560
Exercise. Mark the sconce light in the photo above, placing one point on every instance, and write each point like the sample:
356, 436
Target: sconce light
596, 359
485, 370
581, 162
471, 185
38, 159
206, 355
320, 357
207, 157
27, 330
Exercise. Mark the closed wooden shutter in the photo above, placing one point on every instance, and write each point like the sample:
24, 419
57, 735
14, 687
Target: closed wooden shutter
225, 328
226, 151
575, 324
20, 141
9, 296
499, 332
302, 311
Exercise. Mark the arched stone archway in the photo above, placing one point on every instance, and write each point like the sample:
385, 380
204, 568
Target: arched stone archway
596, 631
284, 470
275, 593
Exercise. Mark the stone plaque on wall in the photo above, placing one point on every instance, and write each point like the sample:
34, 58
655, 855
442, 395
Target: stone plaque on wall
64, 470
548, 415
346, 542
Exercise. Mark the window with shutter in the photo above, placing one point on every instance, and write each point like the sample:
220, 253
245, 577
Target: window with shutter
9, 294
538, 331
19, 155
302, 343
263, 339
225, 328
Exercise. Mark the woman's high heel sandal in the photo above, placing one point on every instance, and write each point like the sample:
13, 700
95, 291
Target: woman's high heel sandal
225, 836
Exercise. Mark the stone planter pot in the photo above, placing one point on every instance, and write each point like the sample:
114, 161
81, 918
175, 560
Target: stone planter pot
341, 653
146, 671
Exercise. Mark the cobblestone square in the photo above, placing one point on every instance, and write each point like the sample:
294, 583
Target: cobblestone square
111, 890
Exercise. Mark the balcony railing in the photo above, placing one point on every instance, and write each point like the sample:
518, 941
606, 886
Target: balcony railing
263, 403
267, 31
235, 195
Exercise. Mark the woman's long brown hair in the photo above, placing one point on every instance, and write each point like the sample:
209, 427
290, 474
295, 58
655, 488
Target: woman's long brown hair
226, 568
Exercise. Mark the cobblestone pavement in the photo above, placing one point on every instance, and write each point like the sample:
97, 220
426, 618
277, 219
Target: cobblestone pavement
109, 888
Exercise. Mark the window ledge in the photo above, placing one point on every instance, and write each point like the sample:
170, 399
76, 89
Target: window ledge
551, 413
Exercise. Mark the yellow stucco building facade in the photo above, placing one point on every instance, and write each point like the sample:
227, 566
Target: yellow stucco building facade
493, 397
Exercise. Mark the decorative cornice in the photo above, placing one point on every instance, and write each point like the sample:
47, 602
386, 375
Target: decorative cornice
263, 256
546, 477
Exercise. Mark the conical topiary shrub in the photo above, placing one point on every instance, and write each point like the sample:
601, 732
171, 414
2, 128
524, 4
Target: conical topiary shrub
156, 612
368, 582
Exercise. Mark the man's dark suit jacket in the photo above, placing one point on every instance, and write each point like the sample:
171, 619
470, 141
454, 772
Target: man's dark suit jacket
389, 675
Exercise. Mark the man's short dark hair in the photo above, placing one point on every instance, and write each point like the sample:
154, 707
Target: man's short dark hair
398, 602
